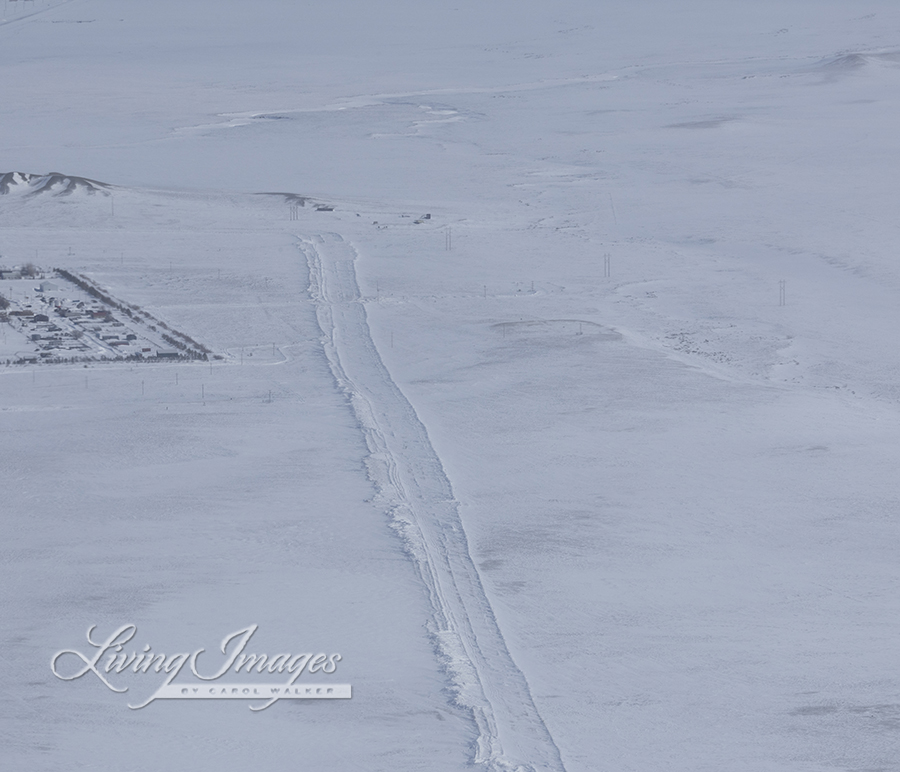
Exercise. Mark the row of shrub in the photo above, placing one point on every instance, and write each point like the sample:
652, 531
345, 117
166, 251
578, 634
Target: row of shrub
179, 340
103, 358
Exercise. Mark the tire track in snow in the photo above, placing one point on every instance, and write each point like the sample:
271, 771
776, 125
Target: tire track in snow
413, 485
34, 12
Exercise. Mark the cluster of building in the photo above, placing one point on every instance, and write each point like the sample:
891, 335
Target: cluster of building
60, 325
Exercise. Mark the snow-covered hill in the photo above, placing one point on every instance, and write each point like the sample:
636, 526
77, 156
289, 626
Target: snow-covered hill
53, 183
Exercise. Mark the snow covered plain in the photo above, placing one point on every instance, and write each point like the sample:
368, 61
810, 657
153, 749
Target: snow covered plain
550, 518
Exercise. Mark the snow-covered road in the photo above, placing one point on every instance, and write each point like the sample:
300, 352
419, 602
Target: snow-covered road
413, 486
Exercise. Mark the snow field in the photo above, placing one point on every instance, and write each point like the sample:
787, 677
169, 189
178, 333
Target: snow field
677, 493
192, 500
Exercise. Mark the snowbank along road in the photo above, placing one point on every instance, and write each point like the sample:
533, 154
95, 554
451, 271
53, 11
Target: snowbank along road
415, 489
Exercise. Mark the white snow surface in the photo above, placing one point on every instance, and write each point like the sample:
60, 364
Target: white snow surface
591, 468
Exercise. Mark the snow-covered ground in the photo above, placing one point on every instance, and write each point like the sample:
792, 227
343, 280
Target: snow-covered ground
573, 427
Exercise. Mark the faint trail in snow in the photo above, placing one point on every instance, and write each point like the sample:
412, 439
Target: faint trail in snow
38, 12
235, 120
412, 483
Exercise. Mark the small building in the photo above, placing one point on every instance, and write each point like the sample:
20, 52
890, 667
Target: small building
167, 353
40, 318
47, 286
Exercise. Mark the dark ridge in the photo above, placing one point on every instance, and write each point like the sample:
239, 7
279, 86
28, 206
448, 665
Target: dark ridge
291, 198
846, 62
853, 60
